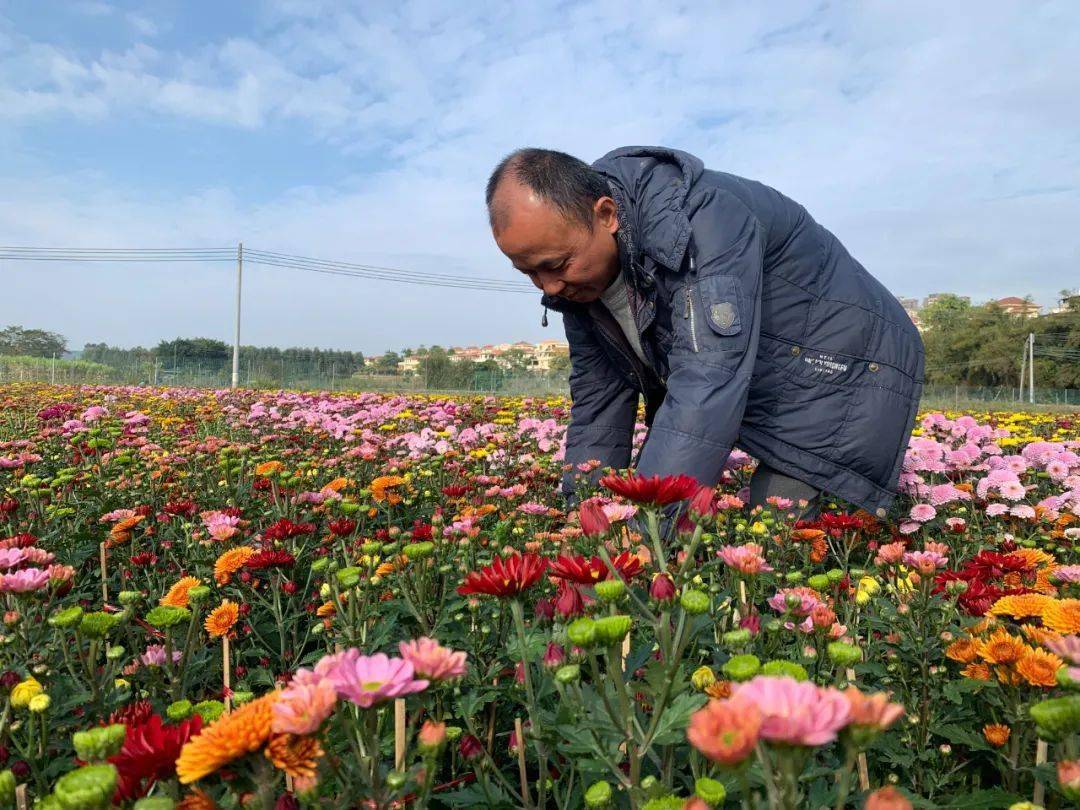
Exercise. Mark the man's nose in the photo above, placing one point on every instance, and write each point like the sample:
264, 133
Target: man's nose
552, 286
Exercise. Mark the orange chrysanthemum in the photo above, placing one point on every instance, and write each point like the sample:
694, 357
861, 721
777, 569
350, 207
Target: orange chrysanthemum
295, 754
964, 650
1001, 648
1020, 607
222, 618
229, 737
1034, 557
1039, 667
269, 467
1008, 675
337, 484
976, 671
719, 690
178, 593
326, 609
197, 800
230, 562
1043, 583
384, 488
1038, 636
996, 734
1063, 616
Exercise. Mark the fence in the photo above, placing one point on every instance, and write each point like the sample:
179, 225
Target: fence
310, 376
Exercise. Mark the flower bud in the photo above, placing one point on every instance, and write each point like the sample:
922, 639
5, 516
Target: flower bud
694, 602
98, 744
432, 737
198, 594
582, 632
703, 678
610, 590
710, 791
568, 673
470, 748
612, 629
89, 788
7, 788
395, 780
594, 521
1056, 718
68, 617
736, 638
39, 703
741, 667
599, 796
785, 669
662, 589
179, 710
819, 582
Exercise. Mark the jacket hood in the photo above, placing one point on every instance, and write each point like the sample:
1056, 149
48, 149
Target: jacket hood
650, 185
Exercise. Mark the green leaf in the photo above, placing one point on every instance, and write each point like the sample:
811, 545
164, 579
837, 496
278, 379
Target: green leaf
672, 726
962, 736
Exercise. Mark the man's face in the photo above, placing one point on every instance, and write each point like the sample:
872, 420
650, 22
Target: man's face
560, 257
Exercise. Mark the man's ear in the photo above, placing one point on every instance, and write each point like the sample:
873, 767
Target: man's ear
606, 214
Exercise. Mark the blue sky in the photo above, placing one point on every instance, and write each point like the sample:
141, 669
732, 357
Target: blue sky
940, 142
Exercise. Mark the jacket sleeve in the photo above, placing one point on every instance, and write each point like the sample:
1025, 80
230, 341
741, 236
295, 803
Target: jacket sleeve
715, 313
603, 409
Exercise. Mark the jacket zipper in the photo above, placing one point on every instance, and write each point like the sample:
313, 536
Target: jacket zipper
689, 313
629, 361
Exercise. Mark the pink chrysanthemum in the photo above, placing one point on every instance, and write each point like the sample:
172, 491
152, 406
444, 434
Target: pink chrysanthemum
302, 706
432, 661
748, 559
1066, 573
10, 557
368, 680
925, 562
1067, 647
803, 601
796, 712
24, 581
922, 512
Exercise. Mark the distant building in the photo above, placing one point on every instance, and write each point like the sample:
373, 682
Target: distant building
540, 356
1068, 302
410, 365
910, 304
933, 298
1018, 306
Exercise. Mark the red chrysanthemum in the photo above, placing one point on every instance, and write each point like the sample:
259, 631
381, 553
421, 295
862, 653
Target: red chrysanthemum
133, 714
269, 558
149, 755
655, 491
505, 577
285, 528
588, 572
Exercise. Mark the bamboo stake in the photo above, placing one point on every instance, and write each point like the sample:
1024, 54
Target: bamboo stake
226, 672
104, 575
864, 770
288, 783
1040, 759
399, 734
522, 772
20, 798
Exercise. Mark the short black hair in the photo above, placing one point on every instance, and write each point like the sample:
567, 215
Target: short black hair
562, 180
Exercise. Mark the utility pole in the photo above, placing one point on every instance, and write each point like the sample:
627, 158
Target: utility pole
1023, 369
236, 337
1031, 367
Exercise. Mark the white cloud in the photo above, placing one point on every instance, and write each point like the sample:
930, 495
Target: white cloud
939, 142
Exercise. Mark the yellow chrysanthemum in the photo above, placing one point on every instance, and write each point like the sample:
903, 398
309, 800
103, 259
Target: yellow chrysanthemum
1020, 607
229, 737
1063, 616
1034, 557
222, 618
178, 593
230, 562
1001, 648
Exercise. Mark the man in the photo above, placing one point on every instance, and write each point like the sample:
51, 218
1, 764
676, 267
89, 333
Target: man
741, 320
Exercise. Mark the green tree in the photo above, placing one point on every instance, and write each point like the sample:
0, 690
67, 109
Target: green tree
14, 340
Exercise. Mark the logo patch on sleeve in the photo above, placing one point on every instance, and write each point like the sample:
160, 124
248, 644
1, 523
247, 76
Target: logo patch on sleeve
723, 314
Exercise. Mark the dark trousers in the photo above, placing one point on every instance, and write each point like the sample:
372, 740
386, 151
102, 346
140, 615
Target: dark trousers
767, 482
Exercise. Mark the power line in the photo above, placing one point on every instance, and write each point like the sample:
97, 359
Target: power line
267, 259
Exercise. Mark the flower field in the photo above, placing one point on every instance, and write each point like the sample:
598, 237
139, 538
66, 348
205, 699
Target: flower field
222, 599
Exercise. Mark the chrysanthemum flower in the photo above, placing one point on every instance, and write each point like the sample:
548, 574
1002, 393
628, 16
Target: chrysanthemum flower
505, 577
177, 595
432, 661
1020, 607
1063, 616
590, 571
655, 491
269, 558
748, 559
222, 618
384, 488
297, 755
230, 737
725, 731
796, 712
368, 680
304, 704
996, 734
1001, 648
1039, 667
872, 711
230, 562
964, 650
149, 754
24, 581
